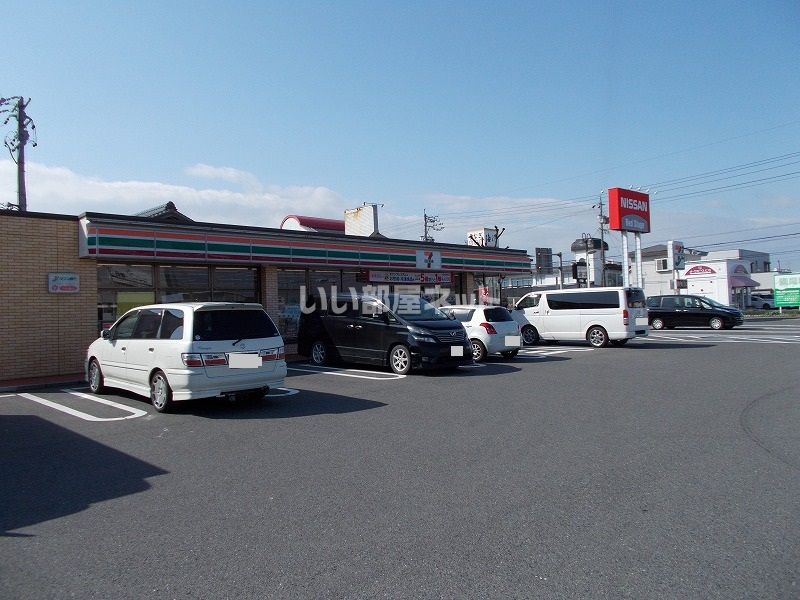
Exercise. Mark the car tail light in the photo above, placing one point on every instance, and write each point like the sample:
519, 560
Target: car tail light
272, 354
489, 328
215, 360
624, 316
192, 360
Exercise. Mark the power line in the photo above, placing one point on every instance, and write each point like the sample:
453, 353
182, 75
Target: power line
689, 237
758, 240
736, 186
729, 177
726, 170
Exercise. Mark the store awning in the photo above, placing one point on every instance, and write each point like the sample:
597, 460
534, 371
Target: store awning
739, 281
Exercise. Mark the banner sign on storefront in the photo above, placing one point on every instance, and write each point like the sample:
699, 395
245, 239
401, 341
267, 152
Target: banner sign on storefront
63, 283
403, 277
699, 270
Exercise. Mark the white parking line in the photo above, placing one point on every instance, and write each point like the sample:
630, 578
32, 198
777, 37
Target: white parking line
134, 412
334, 371
7, 395
286, 392
545, 352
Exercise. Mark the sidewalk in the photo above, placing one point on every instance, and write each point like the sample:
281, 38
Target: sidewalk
33, 383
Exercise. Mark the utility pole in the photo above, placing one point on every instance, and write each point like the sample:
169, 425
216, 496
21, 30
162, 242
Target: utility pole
603, 220
15, 107
431, 223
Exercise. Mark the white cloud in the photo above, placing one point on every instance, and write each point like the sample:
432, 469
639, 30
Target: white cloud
248, 181
62, 191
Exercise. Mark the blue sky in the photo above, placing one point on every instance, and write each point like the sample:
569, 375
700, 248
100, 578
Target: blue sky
513, 114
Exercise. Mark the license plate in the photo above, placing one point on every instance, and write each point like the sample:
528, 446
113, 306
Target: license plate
244, 361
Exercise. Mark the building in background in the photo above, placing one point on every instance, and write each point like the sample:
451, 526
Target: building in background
727, 276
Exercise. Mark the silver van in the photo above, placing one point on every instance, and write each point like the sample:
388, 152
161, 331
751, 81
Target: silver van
601, 316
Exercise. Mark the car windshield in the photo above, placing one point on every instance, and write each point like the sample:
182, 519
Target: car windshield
714, 303
413, 308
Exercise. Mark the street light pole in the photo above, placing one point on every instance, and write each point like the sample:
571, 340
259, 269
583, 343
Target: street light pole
560, 271
587, 237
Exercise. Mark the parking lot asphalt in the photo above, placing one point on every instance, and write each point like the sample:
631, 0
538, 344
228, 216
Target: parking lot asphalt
667, 468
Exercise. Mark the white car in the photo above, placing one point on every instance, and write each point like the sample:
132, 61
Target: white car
491, 329
764, 302
173, 352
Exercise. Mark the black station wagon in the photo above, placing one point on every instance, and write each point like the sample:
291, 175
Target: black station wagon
691, 311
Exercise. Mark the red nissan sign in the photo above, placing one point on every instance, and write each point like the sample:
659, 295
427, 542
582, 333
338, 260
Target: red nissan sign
628, 210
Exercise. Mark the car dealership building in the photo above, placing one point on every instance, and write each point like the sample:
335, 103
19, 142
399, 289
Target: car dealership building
66, 277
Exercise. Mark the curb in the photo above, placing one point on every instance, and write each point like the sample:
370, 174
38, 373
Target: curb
25, 387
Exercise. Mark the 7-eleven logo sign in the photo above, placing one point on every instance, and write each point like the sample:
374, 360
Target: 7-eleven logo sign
429, 260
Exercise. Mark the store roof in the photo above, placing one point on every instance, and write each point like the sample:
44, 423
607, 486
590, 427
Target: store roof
167, 213
316, 223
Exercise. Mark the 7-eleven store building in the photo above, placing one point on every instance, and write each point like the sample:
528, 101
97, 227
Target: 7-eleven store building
71, 276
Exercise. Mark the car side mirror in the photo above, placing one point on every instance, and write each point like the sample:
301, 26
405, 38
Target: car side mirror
106, 334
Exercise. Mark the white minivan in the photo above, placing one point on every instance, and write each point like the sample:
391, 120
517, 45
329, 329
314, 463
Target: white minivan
600, 316
172, 352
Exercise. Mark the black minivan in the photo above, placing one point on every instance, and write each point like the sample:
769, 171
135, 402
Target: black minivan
401, 331
691, 311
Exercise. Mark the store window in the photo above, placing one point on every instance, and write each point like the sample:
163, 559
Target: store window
234, 285
183, 284
121, 288
323, 283
487, 289
353, 280
290, 283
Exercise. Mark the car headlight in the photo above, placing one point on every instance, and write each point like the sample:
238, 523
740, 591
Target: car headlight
422, 335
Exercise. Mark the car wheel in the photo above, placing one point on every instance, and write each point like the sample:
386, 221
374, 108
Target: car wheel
320, 355
597, 337
619, 343
657, 323
765, 307
510, 353
400, 359
716, 323
96, 381
529, 335
160, 392
478, 350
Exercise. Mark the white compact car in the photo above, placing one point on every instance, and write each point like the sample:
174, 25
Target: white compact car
173, 352
491, 329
